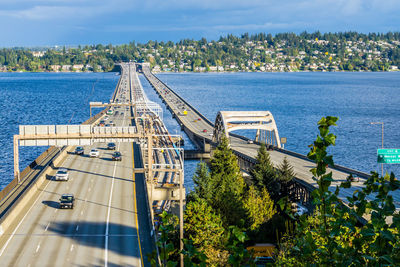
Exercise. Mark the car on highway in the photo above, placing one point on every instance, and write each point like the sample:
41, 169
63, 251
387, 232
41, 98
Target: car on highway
106, 118
199, 119
79, 150
204, 130
250, 141
111, 146
67, 201
117, 156
61, 175
102, 123
94, 153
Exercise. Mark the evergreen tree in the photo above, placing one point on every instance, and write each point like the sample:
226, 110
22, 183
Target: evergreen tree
259, 207
264, 174
285, 176
203, 182
204, 228
227, 184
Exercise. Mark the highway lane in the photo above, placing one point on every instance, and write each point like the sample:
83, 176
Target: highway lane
301, 167
102, 229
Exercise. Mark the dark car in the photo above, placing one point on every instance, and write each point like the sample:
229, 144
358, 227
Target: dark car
79, 150
117, 156
111, 146
67, 201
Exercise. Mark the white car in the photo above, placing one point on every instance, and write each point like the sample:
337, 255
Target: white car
94, 153
61, 175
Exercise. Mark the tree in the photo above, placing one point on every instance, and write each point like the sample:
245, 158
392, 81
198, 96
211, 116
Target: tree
259, 207
204, 228
333, 236
285, 176
264, 174
203, 182
227, 184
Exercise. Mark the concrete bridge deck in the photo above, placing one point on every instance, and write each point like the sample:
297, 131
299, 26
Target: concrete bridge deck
200, 129
109, 224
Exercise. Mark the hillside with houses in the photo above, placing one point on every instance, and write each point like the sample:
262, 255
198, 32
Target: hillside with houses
286, 52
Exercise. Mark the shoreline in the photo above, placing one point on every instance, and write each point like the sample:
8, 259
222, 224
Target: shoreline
182, 72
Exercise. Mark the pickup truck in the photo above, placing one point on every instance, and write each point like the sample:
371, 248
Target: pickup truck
67, 201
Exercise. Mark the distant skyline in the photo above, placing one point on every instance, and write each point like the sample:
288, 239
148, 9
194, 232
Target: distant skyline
79, 22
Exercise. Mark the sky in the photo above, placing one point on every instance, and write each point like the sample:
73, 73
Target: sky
33, 23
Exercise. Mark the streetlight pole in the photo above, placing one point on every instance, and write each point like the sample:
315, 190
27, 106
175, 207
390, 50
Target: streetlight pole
382, 123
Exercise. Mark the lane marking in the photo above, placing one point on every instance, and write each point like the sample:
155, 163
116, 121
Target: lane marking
72, 248
23, 218
109, 211
82, 212
38, 247
47, 226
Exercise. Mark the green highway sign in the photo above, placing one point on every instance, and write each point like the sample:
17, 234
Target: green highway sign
389, 155
388, 151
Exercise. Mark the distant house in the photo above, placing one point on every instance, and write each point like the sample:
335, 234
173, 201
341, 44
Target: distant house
156, 68
78, 66
55, 67
66, 68
38, 53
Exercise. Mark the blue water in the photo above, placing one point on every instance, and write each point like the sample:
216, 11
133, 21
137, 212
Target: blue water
45, 98
297, 101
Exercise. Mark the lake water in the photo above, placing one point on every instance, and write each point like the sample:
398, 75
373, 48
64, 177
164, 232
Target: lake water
296, 100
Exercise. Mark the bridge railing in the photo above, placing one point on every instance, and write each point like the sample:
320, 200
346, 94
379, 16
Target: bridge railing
178, 96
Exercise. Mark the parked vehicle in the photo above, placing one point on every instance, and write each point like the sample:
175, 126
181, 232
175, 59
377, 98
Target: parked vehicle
67, 201
117, 156
94, 153
61, 175
79, 150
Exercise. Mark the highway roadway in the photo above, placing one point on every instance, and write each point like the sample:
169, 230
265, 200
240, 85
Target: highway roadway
107, 226
200, 126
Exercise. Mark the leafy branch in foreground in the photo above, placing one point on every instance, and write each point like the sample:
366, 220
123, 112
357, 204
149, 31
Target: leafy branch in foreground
333, 235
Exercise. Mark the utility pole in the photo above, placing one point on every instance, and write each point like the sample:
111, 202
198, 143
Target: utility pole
382, 123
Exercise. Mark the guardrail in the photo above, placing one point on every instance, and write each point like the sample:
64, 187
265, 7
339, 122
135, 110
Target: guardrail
11, 194
178, 96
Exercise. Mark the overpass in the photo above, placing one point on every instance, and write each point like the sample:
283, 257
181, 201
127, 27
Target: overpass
205, 135
112, 223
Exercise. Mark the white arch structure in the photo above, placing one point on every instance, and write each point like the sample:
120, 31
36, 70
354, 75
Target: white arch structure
262, 121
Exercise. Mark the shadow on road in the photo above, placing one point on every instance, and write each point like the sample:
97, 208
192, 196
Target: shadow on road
51, 204
122, 239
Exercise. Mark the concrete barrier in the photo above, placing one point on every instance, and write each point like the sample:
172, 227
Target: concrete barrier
35, 188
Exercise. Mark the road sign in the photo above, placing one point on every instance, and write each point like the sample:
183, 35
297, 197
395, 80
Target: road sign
389, 156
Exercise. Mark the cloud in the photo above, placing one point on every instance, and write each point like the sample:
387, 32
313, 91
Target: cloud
88, 21
60, 9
